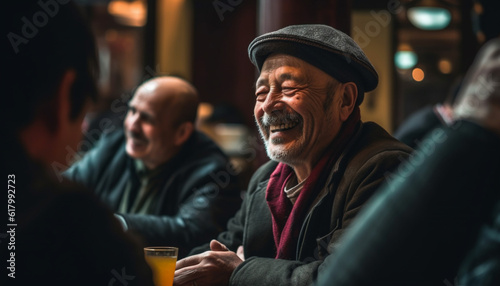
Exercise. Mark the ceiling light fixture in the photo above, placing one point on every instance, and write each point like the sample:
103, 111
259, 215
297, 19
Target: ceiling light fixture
429, 15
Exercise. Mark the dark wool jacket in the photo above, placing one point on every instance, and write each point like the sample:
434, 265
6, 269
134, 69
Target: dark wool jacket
356, 175
198, 195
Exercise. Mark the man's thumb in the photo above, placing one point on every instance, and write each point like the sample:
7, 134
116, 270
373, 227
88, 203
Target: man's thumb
217, 246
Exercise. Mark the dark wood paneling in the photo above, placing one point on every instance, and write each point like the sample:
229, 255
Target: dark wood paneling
276, 14
222, 71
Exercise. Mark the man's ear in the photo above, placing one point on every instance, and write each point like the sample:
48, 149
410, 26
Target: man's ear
348, 99
62, 104
45, 138
183, 132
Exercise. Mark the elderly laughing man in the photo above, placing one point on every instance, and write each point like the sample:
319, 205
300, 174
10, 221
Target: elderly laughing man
325, 164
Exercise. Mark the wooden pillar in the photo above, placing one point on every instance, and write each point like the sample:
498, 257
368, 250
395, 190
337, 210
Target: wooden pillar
150, 36
174, 37
276, 14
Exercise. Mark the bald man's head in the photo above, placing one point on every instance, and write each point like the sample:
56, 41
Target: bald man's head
160, 119
175, 95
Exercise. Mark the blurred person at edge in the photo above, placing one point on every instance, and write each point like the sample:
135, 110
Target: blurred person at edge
165, 181
57, 233
421, 122
438, 224
486, 26
325, 164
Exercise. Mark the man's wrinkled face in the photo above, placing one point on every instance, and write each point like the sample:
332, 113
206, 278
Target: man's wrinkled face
148, 130
296, 109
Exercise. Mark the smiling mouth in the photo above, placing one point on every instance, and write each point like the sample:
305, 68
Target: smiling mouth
136, 139
283, 126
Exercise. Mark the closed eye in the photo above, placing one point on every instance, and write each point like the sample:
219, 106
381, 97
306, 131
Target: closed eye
143, 116
288, 90
146, 117
261, 93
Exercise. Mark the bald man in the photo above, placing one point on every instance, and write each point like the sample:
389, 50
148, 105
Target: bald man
160, 119
164, 180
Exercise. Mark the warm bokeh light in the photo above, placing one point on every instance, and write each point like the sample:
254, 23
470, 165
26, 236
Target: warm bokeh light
129, 13
418, 74
445, 66
478, 8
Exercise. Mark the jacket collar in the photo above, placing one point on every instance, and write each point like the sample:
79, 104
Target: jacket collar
333, 178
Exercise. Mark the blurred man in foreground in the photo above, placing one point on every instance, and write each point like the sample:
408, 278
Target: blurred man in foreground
444, 207
57, 234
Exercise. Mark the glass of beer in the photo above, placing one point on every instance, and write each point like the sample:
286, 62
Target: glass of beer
162, 261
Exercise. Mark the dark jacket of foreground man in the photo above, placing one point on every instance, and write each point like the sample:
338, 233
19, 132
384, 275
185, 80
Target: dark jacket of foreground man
61, 234
356, 175
198, 194
418, 229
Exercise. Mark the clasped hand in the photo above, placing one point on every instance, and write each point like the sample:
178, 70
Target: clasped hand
212, 267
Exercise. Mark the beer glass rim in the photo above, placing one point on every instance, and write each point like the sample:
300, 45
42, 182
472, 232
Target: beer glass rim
160, 248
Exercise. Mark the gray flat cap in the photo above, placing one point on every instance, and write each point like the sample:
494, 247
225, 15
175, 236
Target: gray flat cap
322, 46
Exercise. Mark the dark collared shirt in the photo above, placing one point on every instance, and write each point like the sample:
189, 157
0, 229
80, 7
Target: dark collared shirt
150, 183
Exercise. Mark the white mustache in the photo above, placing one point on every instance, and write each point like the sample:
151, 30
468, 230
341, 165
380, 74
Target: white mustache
279, 118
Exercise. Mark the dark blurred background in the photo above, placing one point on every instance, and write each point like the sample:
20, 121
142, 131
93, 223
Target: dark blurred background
420, 48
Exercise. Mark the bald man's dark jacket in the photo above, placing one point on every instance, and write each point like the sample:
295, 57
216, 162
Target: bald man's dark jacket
198, 194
